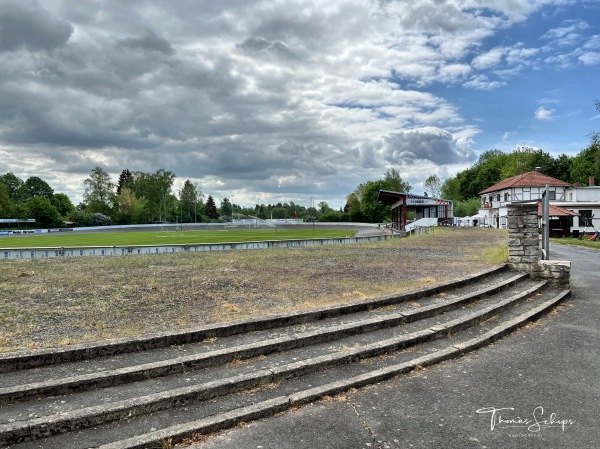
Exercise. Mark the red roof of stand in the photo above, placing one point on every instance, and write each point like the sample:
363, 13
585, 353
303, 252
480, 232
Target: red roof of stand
529, 179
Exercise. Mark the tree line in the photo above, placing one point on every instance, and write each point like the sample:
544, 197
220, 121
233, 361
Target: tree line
33, 198
139, 198
136, 198
494, 166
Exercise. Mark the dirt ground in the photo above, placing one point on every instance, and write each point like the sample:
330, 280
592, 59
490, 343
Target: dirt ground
53, 302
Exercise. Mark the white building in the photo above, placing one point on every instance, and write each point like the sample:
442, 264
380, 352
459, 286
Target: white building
586, 202
572, 209
526, 187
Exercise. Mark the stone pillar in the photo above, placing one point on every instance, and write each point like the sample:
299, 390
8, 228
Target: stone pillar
523, 236
524, 246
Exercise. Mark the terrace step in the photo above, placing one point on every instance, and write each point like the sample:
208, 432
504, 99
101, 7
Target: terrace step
216, 395
17, 361
125, 368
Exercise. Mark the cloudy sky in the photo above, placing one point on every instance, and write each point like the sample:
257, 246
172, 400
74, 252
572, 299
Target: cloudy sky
281, 100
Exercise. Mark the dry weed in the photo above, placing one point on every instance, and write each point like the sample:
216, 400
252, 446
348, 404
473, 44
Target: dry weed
53, 302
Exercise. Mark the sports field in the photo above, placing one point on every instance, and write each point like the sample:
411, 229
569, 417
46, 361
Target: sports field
166, 237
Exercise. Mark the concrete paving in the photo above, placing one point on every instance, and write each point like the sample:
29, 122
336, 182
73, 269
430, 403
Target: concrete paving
543, 382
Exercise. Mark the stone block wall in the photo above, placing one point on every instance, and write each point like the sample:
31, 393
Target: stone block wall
523, 235
524, 246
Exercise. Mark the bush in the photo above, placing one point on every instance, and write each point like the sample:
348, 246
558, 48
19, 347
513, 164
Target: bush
467, 208
98, 219
331, 216
80, 218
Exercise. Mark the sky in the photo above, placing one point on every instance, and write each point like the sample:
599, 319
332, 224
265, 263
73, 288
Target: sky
284, 100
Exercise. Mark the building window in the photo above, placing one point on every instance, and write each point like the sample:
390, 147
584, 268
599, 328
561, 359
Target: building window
506, 197
498, 197
585, 218
551, 195
571, 196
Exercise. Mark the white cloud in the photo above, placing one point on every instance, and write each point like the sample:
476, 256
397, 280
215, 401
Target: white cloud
519, 55
568, 34
427, 143
296, 98
593, 42
590, 58
489, 59
542, 113
481, 82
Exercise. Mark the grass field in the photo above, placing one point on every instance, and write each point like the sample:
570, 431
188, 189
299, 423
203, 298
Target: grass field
166, 237
60, 301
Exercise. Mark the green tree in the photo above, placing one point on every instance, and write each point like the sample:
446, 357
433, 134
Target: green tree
189, 198
44, 213
562, 168
210, 209
371, 208
587, 163
323, 207
352, 208
395, 182
36, 186
80, 218
450, 189
261, 213
226, 208
7, 209
125, 180
332, 216
156, 188
131, 209
98, 192
13, 185
62, 203
311, 214
433, 186
467, 208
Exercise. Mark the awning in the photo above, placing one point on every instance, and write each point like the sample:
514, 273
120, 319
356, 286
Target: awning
555, 211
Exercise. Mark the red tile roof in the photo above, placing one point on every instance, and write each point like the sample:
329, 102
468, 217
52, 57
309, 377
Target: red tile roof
529, 179
556, 211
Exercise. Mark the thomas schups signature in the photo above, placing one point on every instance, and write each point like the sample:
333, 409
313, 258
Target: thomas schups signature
502, 418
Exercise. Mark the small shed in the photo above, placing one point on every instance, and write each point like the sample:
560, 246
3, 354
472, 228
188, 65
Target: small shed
423, 206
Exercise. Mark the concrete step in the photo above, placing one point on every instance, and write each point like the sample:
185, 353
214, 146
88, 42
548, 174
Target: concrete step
37, 419
21, 360
109, 371
202, 375
157, 428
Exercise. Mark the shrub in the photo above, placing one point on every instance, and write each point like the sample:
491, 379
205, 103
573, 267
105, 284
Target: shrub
98, 219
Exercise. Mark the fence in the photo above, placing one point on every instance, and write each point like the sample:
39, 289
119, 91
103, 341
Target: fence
42, 253
421, 230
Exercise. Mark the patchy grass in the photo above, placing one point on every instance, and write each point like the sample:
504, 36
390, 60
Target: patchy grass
576, 242
497, 254
53, 302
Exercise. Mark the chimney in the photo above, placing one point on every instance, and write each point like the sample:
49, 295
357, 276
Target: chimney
577, 185
591, 182
538, 169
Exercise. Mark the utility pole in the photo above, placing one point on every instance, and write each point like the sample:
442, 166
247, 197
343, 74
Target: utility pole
312, 206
